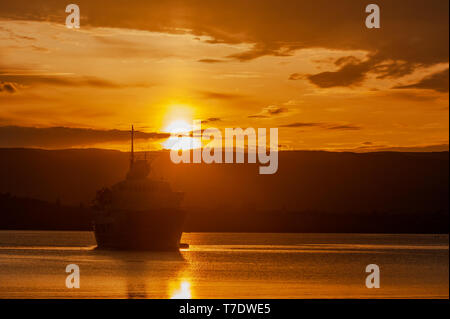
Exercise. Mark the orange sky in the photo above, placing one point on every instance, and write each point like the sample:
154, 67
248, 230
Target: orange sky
310, 68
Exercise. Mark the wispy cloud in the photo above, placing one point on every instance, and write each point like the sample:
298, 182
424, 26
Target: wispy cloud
348, 75
220, 95
327, 126
353, 71
344, 127
7, 87
65, 80
66, 137
301, 124
211, 61
269, 111
211, 119
386, 148
438, 82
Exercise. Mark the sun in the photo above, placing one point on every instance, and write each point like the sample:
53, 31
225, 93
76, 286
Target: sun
178, 127
179, 123
180, 139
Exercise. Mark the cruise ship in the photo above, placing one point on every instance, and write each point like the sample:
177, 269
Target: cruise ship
138, 213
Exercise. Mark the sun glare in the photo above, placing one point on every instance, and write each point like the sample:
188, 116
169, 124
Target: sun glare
181, 139
184, 292
178, 127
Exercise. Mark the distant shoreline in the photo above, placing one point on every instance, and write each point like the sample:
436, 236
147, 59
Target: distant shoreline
313, 191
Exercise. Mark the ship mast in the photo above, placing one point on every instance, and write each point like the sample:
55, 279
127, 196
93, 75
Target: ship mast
132, 147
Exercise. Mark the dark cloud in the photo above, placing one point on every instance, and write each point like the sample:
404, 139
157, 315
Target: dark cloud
353, 71
350, 74
427, 148
220, 95
327, 126
344, 127
66, 137
211, 61
414, 31
62, 80
346, 60
260, 50
7, 87
437, 81
211, 119
258, 116
301, 124
393, 69
387, 148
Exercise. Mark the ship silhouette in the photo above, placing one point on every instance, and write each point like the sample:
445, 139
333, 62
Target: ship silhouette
138, 213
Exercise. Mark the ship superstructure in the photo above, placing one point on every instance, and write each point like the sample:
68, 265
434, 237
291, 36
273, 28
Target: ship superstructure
139, 213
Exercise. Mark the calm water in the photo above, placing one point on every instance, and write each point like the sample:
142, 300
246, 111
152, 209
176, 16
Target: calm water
217, 265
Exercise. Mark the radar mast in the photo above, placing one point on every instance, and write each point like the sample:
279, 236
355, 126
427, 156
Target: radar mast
132, 147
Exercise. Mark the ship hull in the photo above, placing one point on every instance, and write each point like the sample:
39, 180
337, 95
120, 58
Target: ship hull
156, 230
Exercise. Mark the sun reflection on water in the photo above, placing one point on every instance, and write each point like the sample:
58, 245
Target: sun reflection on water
184, 292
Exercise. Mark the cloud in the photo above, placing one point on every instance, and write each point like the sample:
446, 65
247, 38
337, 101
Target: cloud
7, 87
404, 43
346, 60
426, 148
211, 61
411, 31
220, 95
275, 110
296, 76
113, 46
211, 119
13, 35
327, 126
438, 82
301, 124
344, 127
350, 74
387, 148
353, 71
258, 116
392, 69
260, 50
31, 78
269, 111
66, 137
